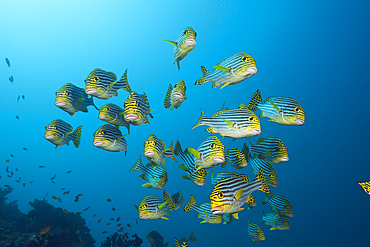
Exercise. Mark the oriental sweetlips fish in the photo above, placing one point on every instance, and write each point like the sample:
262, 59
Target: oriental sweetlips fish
184, 242
271, 149
279, 204
110, 138
221, 175
183, 45
233, 123
276, 221
195, 175
137, 109
230, 193
104, 85
155, 175
365, 186
175, 96
177, 199
113, 114
281, 110
232, 70
268, 171
237, 158
153, 208
255, 232
72, 99
204, 211
155, 150
59, 133
156, 239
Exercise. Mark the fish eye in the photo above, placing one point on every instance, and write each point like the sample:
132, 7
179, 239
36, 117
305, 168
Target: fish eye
297, 109
251, 119
96, 78
107, 109
161, 176
103, 132
220, 194
244, 59
213, 146
144, 206
56, 127
185, 32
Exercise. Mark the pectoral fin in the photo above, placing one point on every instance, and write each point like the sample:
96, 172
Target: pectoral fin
171, 42
221, 68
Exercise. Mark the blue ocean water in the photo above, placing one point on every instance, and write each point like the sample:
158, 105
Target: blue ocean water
314, 51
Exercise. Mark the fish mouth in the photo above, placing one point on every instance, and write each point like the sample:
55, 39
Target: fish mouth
142, 217
49, 137
290, 215
91, 91
216, 211
190, 42
273, 185
177, 95
97, 143
218, 159
102, 117
160, 187
299, 122
149, 154
131, 117
60, 103
200, 183
284, 159
256, 132
251, 70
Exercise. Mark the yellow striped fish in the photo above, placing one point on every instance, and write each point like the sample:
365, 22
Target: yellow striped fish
276, 221
204, 211
177, 199
72, 99
175, 96
155, 175
59, 133
365, 186
104, 85
230, 193
211, 152
221, 175
232, 70
255, 232
137, 109
233, 123
153, 208
271, 149
110, 138
281, 110
237, 158
279, 204
113, 114
183, 45
155, 150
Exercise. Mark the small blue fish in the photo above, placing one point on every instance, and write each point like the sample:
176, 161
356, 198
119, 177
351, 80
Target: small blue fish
7, 61
11, 79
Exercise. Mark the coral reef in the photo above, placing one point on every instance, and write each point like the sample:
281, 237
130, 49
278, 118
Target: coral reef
118, 240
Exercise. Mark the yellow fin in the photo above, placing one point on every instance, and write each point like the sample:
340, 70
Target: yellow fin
239, 194
221, 68
195, 153
235, 215
171, 42
227, 83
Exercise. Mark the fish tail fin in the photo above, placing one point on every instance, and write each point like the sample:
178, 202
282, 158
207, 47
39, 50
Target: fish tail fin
202, 80
77, 139
245, 151
177, 149
167, 198
213, 182
202, 116
172, 155
192, 238
255, 101
264, 201
264, 187
190, 204
125, 81
178, 65
137, 165
167, 99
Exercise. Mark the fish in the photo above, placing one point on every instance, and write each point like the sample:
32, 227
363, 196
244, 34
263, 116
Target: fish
11, 79
185, 241
32, 181
271, 149
25, 149
109, 138
128, 225
42, 166
99, 220
255, 232
66, 192
195, 174
211, 152
76, 199
12, 155
136, 221
276, 221
52, 178
69, 172
231, 71
183, 45
78, 213
204, 211
279, 204
251, 201
119, 224
257, 163
221, 175
365, 186
52, 182
108, 223
120, 230
111, 218
137, 109
104, 85
17, 117
17, 181
155, 175
177, 200
72, 99
113, 209
18, 98
7, 169
109, 200
59, 133
236, 158
113, 114
7, 160
230, 193
23, 97
79, 195
175, 96
56, 198
118, 219
86, 208
227, 218
65, 211
281, 110
46, 229
94, 215
155, 150
24, 184
153, 208
104, 232
232, 123
155, 239
7, 61
8, 186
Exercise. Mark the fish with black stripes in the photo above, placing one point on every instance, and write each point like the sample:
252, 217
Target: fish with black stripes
279, 204
155, 150
113, 114
271, 149
59, 133
281, 110
231, 71
255, 232
175, 96
110, 138
221, 175
365, 186
203, 210
72, 99
153, 208
137, 109
276, 221
177, 199
236, 158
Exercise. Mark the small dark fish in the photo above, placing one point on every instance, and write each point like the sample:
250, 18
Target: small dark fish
120, 230
20, 179
128, 225
111, 218
105, 232
22, 96
109, 200
136, 221
63, 188
79, 195
25, 149
87, 208
24, 184
108, 224
53, 182
67, 192
119, 224
8, 186
17, 181
118, 219
7, 61
7, 169
17, 117
79, 213
7, 160
42, 166
12, 173
16, 169
65, 211
53, 177
69, 172
32, 181
18, 98
99, 220
11, 79
113, 209
12, 155
94, 215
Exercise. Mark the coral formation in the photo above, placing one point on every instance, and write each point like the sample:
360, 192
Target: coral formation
118, 240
